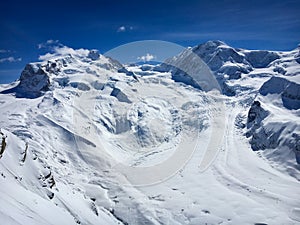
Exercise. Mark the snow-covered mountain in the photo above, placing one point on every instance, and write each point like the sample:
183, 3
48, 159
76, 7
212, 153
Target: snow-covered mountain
211, 136
267, 80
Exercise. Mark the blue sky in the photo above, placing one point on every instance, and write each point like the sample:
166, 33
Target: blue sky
103, 25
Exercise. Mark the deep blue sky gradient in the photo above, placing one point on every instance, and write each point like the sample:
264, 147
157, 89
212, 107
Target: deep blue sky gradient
92, 24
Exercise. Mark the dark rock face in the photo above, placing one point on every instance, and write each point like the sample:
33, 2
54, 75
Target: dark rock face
80, 86
181, 76
252, 114
256, 113
53, 67
226, 90
98, 86
280, 70
127, 72
261, 59
94, 55
117, 93
33, 81
262, 138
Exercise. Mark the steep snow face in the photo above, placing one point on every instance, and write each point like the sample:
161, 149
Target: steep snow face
260, 59
189, 68
223, 59
273, 76
274, 127
278, 133
93, 134
229, 63
288, 91
216, 53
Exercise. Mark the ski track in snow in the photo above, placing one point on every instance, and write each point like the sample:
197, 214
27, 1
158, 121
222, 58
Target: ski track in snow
268, 185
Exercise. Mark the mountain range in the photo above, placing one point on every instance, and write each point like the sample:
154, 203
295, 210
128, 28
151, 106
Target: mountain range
209, 136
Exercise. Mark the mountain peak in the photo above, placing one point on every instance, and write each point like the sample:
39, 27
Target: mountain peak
211, 45
214, 43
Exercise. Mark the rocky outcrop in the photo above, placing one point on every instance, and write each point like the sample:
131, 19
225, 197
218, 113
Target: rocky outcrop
256, 114
260, 58
33, 81
261, 137
94, 54
232, 70
289, 91
268, 127
121, 96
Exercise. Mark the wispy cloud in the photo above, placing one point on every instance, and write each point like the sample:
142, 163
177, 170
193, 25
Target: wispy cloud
124, 28
49, 44
5, 51
10, 59
146, 58
7, 56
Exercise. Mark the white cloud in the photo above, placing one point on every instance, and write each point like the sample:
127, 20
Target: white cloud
146, 58
49, 44
10, 59
121, 29
64, 51
55, 48
46, 56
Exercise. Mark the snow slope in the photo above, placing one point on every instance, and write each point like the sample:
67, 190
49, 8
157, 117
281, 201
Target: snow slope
271, 78
89, 141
